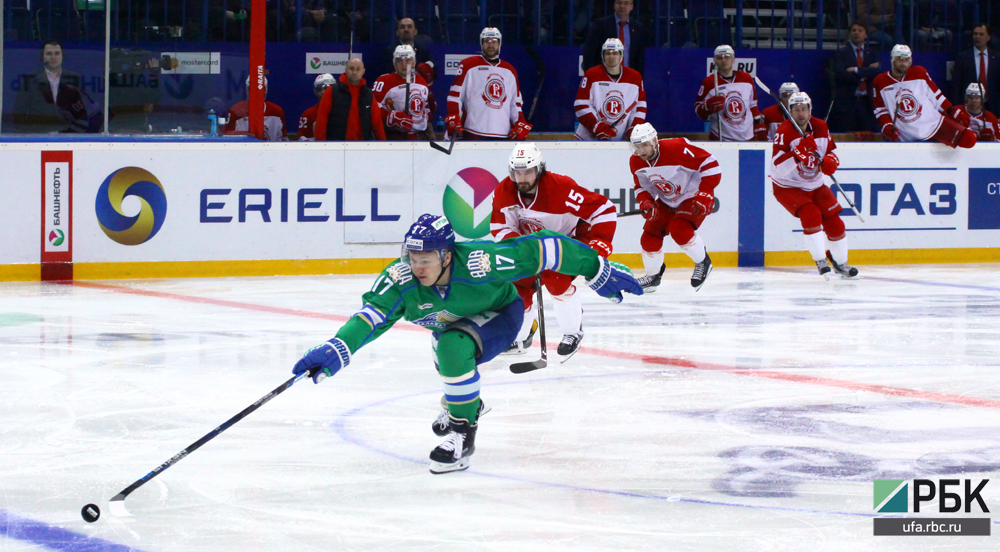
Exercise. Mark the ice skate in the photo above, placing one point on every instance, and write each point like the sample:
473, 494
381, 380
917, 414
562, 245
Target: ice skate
442, 422
569, 345
521, 347
845, 270
701, 272
453, 454
824, 268
650, 282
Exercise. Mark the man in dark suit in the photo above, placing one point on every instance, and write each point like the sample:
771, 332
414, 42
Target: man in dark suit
617, 25
855, 65
969, 66
406, 33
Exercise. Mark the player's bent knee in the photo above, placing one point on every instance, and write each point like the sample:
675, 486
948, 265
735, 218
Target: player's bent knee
650, 242
456, 353
682, 231
834, 226
810, 217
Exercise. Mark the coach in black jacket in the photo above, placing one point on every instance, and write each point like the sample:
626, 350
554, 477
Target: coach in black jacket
852, 100
608, 27
967, 66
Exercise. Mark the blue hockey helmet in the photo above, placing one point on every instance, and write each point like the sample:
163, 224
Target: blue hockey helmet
429, 233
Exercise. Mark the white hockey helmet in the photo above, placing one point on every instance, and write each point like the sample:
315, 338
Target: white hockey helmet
613, 44
725, 50
974, 89
642, 133
324, 80
248, 85
491, 32
800, 98
787, 89
525, 156
900, 51
403, 51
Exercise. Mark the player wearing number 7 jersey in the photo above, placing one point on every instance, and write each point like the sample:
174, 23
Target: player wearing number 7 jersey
675, 184
533, 199
462, 292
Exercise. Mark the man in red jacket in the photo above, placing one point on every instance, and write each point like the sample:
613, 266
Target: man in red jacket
348, 110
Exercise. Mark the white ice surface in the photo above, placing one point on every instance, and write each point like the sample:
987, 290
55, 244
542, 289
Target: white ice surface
752, 415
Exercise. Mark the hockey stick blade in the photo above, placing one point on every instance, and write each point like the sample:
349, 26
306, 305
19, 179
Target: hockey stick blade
442, 149
117, 504
525, 367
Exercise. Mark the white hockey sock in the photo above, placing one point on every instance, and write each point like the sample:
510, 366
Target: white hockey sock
652, 262
838, 250
569, 311
816, 245
695, 249
529, 317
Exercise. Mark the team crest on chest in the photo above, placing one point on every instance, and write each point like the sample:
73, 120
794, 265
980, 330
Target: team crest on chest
530, 226
907, 107
613, 105
665, 186
439, 319
735, 108
478, 263
495, 92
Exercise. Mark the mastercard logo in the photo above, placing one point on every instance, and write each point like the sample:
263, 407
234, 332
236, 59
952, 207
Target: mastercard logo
139, 228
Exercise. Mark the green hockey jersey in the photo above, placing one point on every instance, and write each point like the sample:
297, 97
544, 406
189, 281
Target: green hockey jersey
482, 273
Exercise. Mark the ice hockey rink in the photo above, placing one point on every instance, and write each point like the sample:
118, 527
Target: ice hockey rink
752, 415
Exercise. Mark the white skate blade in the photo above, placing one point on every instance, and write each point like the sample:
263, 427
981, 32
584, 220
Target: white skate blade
514, 351
439, 468
117, 508
563, 359
650, 289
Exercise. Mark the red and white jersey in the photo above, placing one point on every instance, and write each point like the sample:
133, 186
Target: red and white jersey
274, 120
787, 171
773, 117
486, 96
919, 105
977, 123
679, 172
602, 98
307, 124
560, 205
740, 108
390, 93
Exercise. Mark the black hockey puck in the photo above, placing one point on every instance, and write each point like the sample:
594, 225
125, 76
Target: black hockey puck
90, 513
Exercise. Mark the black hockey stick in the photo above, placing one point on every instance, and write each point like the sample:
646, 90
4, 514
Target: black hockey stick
522, 367
117, 504
533, 54
442, 149
788, 114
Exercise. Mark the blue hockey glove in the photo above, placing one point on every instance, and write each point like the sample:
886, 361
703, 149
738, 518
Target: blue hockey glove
330, 357
612, 279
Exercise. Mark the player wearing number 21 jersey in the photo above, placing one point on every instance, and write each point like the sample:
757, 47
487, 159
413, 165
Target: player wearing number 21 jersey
463, 294
533, 199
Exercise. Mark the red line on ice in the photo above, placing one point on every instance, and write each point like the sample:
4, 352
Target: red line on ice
646, 359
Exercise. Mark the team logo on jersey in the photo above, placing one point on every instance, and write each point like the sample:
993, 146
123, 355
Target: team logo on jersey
908, 109
478, 263
495, 92
416, 104
735, 108
439, 319
468, 202
665, 187
530, 226
400, 273
613, 105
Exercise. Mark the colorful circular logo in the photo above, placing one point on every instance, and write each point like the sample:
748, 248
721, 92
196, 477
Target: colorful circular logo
131, 181
465, 202
56, 237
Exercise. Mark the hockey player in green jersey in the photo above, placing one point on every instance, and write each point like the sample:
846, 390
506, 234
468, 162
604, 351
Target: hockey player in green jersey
464, 294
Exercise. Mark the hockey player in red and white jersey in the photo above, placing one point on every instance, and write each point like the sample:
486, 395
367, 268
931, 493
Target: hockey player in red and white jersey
307, 122
972, 115
610, 101
803, 151
675, 184
729, 98
774, 115
533, 199
404, 119
911, 108
275, 128
485, 99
